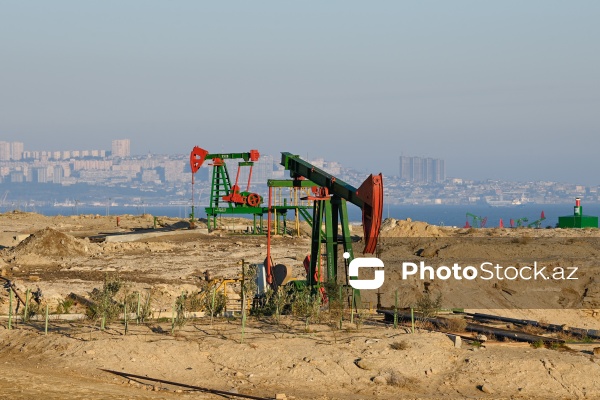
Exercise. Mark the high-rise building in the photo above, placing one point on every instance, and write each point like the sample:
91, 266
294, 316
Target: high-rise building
58, 175
420, 169
5, 151
16, 150
121, 148
39, 175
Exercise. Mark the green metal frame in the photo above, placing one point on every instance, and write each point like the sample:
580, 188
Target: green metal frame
221, 186
332, 212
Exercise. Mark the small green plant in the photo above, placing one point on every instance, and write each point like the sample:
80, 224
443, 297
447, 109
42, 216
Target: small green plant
64, 306
180, 310
145, 307
213, 302
305, 305
360, 317
538, 344
428, 306
335, 298
557, 346
104, 304
587, 339
476, 343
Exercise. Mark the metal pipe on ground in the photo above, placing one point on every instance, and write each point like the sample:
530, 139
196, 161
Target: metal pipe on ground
591, 333
184, 385
497, 332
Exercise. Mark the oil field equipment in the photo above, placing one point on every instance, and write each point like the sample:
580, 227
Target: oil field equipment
518, 223
226, 198
538, 222
478, 222
330, 197
578, 220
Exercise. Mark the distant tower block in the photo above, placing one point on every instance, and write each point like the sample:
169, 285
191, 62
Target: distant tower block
578, 220
121, 148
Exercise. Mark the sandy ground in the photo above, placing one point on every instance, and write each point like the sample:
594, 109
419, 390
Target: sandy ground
367, 361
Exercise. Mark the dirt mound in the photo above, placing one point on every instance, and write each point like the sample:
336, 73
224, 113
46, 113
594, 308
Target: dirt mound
50, 242
408, 228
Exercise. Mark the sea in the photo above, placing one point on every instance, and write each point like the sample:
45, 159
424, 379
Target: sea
443, 215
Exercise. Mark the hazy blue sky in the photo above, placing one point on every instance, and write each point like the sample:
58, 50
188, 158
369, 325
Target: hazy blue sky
500, 89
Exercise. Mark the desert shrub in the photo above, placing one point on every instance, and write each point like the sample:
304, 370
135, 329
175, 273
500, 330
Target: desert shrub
538, 345
145, 307
203, 299
336, 304
64, 306
522, 240
456, 324
180, 310
428, 306
533, 330
402, 345
587, 339
400, 381
214, 305
104, 303
305, 305
557, 346
424, 324
276, 302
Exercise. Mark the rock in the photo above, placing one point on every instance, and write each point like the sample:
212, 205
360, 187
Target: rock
371, 341
239, 243
380, 380
482, 338
457, 341
487, 388
364, 364
90, 352
280, 396
596, 351
15, 269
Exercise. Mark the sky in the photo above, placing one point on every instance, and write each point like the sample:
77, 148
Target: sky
499, 89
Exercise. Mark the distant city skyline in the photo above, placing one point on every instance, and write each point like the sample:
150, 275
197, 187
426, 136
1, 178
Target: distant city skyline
499, 90
417, 169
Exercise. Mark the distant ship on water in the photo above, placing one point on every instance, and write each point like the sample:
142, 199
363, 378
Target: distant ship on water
500, 201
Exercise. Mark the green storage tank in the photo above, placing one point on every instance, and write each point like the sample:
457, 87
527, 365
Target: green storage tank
578, 220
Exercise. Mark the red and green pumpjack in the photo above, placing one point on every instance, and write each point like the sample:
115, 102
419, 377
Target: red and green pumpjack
226, 198
330, 210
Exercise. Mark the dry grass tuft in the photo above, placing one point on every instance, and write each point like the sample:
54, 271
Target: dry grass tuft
404, 382
402, 345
